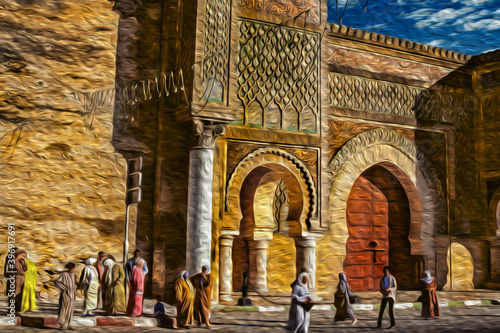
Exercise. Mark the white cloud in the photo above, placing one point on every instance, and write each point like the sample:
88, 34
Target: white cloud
487, 24
437, 19
437, 42
472, 2
466, 18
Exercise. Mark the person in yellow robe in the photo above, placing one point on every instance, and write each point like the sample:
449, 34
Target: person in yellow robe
202, 283
29, 292
115, 287
184, 294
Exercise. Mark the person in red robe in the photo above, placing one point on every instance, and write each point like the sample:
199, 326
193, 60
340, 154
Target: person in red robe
430, 303
136, 283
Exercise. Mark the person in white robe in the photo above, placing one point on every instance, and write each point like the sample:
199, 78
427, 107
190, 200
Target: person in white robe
89, 283
299, 316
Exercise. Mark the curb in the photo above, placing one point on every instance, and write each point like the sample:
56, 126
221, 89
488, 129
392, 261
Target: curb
51, 322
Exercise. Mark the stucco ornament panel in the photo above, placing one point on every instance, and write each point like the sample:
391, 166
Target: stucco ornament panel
278, 76
356, 93
261, 157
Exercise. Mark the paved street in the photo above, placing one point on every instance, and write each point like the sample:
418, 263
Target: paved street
454, 319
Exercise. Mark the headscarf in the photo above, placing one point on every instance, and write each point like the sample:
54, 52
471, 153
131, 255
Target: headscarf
19, 252
90, 261
428, 278
109, 263
207, 268
300, 279
343, 286
181, 275
140, 262
185, 275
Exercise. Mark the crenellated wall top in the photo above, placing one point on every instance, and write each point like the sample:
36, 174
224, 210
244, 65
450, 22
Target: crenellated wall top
397, 43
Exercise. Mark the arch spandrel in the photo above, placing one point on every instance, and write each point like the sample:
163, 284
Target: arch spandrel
258, 158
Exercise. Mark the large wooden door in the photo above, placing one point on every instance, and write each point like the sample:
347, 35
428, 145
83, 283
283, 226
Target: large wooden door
368, 242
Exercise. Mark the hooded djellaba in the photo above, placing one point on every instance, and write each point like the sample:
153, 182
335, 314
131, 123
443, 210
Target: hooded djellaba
89, 283
342, 301
299, 316
429, 299
115, 287
184, 294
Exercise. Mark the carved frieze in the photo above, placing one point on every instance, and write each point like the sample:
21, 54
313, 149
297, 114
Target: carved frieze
278, 76
371, 95
307, 10
376, 63
441, 106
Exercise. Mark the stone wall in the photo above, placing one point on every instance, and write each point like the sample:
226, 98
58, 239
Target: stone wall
63, 184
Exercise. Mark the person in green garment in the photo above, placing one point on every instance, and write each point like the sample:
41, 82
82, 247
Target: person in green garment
115, 288
29, 292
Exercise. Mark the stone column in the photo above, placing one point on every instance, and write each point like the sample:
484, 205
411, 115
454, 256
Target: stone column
226, 267
495, 260
258, 264
199, 215
306, 257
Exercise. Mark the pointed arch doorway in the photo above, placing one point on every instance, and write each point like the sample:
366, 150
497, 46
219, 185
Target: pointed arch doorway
378, 220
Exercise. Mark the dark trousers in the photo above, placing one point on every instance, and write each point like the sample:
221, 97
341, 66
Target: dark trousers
382, 309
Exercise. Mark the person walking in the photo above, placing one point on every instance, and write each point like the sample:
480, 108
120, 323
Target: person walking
67, 284
388, 288
89, 283
114, 280
342, 301
429, 299
299, 317
184, 294
202, 284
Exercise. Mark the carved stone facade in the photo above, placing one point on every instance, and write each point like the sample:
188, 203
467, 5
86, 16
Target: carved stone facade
256, 124
278, 76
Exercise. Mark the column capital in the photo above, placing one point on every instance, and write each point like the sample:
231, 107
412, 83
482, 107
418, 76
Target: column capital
306, 241
226, 240
261, 244
207, 133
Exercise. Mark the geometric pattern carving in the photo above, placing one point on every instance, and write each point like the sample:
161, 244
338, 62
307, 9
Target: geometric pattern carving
371, 95
307, 121
291, 119
457, 107
215, 49
273, 116
443, 106
254, 114
278, 65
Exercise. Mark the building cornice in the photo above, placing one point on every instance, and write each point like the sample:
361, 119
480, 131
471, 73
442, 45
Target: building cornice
396, 43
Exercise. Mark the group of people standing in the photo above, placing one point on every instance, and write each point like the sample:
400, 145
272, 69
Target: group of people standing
193, 298
24, 277
103, 282
302, 301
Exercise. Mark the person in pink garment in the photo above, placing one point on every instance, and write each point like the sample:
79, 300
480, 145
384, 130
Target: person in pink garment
136, 296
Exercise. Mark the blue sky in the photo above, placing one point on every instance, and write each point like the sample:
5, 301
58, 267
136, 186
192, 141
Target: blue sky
468, 26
